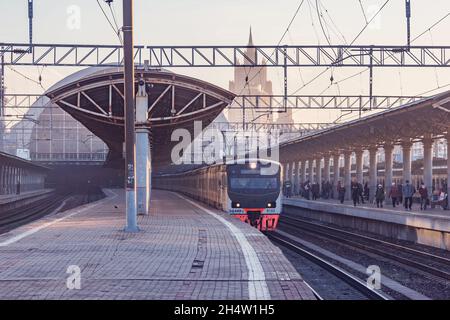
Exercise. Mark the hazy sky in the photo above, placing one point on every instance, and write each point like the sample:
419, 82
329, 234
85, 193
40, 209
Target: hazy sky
227, 22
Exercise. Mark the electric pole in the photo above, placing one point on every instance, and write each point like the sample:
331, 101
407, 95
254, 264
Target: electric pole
2, 96
408, 22
129, 129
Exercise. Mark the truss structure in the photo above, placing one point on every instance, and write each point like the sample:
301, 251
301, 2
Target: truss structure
228, 56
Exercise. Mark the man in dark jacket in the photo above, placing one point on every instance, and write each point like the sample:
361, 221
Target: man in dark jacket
423, 197
355, 192
315, 190
341, 193
379, 196
408, 192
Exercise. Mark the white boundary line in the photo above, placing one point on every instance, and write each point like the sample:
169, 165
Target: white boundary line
257, 285
45, 225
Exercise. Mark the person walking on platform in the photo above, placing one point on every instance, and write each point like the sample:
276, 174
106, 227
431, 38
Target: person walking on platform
423, 191
379, 196
355, 193
341, 193
288, 189
408, 192
394, 194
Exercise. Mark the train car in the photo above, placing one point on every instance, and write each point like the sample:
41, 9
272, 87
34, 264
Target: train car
249, 189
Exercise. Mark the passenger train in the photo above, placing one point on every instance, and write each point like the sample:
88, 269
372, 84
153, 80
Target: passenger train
248, 189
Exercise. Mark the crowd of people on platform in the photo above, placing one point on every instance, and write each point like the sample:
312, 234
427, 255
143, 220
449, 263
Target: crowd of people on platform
399, 194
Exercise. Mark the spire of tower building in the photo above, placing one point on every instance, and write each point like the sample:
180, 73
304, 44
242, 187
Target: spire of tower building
251, 52
250, 38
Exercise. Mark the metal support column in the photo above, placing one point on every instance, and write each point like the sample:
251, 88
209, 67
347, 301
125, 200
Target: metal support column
319, 172
143, 157
373, 173
131, 220
428, 163
303, 172
287, 177
406, 150
311, 170
296, 168
448, 165
359, 166
336, 173
326, 168
347, 174
292, 176
388, 169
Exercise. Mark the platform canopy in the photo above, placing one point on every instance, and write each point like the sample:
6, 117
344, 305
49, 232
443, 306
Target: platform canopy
95, 97
405, 124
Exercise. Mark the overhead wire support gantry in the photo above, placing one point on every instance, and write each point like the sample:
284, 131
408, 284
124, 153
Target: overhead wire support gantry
229, 56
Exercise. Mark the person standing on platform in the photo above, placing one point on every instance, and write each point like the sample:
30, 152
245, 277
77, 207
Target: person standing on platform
394, 194
379, 196
355, 193
423, 197
341, 193
315, 190
307, 189
408, 192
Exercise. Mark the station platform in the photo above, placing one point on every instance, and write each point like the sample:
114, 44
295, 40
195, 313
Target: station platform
429, 227
183, 251
9, 198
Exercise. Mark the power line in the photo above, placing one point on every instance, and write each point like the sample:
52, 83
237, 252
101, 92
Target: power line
434, 25
416, 38
363, 12
281, 39
26, 77
370, 21
116, 31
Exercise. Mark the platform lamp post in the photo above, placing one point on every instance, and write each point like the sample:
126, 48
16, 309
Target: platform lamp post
131, 212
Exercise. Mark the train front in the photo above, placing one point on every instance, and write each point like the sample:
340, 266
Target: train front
254, 193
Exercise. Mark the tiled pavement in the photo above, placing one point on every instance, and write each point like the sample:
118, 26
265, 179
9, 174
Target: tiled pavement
182, 252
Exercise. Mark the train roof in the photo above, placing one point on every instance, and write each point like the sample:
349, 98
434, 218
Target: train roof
188, 168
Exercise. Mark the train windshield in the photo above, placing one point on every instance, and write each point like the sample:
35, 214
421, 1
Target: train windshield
264, 183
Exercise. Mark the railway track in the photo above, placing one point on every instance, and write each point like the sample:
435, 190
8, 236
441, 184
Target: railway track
430, 264
25, 214
336, 271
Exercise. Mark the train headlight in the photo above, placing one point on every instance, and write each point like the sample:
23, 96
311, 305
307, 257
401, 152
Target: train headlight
253, 165
271, 204
238, 205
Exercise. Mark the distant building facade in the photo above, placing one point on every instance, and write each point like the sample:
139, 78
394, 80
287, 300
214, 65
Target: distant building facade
251, 81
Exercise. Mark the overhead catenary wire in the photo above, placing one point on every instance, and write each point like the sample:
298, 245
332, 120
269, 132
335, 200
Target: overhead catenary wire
413, 40
279, 42
369, 22
351, 43
115, 29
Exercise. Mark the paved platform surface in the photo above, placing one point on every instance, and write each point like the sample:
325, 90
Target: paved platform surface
441, 218
8, 198
184, 251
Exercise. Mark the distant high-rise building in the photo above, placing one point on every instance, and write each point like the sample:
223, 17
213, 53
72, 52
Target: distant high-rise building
249, 80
